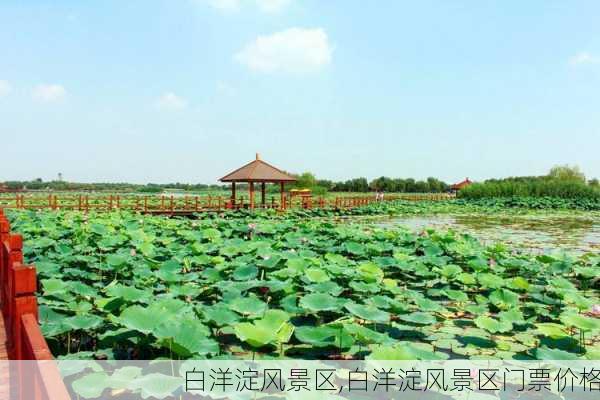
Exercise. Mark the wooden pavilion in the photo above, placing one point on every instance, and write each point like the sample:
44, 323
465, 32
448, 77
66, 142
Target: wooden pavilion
460, 185
261, 172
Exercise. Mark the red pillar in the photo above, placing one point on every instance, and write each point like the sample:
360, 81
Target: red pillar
233, 195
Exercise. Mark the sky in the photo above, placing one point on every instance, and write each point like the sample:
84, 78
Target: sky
188, 90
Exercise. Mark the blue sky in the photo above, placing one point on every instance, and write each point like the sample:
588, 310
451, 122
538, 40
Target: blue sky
187, 90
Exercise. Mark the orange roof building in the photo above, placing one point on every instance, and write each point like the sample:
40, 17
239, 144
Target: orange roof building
460, 185
258, 171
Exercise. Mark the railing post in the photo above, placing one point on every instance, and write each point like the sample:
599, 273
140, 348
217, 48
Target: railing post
4, 262
13, 250
24, 286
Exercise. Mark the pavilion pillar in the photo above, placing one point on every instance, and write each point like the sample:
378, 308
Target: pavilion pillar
263, 200
282, 194
251, 190
233, 195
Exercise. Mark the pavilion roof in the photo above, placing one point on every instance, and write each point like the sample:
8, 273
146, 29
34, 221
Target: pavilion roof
462, 184
258, 171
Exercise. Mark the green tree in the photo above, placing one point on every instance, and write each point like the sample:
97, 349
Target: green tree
306, 180
567, 173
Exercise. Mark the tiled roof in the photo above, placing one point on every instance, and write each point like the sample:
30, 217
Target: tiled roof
258, 171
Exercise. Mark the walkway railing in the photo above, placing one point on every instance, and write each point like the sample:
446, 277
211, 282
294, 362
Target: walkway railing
18, 286
195, 204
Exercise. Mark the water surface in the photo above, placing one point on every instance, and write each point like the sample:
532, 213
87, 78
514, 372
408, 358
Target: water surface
578, 233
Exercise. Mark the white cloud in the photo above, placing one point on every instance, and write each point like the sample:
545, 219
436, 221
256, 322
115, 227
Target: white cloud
5, 88
292, 50
170, 101
272, 6
49, 93
584, 58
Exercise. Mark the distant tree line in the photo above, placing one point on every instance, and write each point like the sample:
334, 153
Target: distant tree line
39, 184
306, 180
362, 185
562, 181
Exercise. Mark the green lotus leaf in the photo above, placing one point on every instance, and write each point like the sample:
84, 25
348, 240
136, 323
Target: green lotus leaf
370, 272
316, 302
420, 318
250, 306
519, 283
580, 301
491, 281
324, 336
142, 319
220, 314
128, 293
316, 275
551, 330
255, 335
298, 265
329, 287
450, 271
91, 385
116, 260
355, 248
513, 316
466, 279
545, 353
54, 286
245, 272
504, 299
580, 321
272, 328
406, 351
426, 304
121, 377
368, 312
211, 234
456, 295
492, 325
477, 309
84, 322
366, 335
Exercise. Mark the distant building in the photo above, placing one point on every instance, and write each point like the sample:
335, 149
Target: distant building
3, 188
460, 185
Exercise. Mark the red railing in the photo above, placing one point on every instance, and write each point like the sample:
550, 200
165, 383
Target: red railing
195, 204
18, 286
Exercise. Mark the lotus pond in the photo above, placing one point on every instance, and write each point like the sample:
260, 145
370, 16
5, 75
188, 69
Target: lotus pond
125, 286
536, 232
